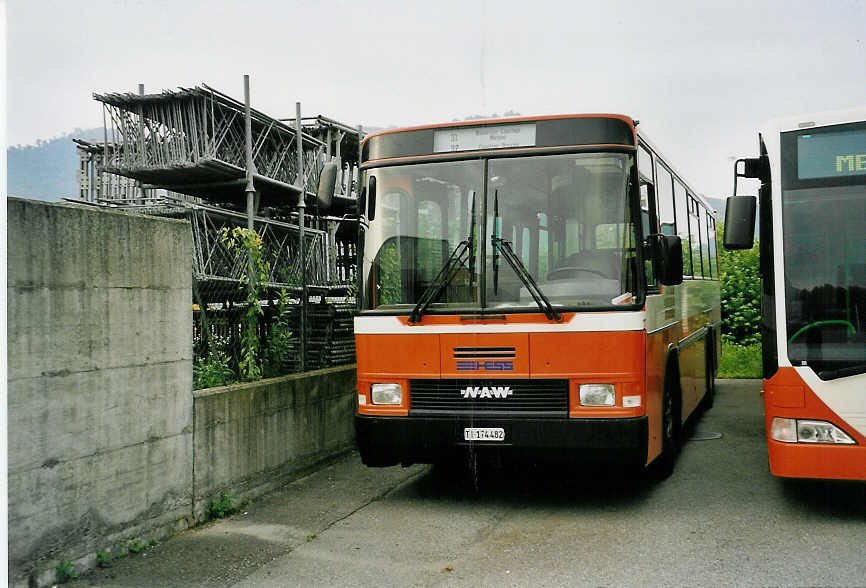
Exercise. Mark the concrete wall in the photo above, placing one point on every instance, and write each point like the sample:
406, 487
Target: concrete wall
99, 403
251, 438
107, 441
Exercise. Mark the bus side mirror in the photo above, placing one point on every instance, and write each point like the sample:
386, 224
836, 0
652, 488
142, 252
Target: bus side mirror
671, 255
327, 184
371, 198
740, 222
668, 253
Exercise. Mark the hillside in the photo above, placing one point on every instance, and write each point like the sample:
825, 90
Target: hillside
46, 171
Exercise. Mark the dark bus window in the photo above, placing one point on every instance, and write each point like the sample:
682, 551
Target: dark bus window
683, 226
665, 200
705, 243
695, 235
714, 260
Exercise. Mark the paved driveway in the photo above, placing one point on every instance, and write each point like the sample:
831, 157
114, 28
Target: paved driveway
720, 519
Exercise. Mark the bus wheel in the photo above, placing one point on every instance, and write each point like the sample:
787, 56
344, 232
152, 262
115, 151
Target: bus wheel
664, 463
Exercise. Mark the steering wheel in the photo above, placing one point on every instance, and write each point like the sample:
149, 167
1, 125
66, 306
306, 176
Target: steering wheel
551, 275
851, 329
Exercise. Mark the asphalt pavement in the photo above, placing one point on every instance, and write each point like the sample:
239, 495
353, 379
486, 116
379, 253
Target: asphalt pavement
720, 519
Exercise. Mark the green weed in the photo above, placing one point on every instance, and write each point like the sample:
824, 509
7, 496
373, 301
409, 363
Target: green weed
136, 545
66, 571
222, 507
103, 559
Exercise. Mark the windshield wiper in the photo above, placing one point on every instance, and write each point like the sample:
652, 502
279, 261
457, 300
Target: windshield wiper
448, 271
504, 246
540, 299
494, 234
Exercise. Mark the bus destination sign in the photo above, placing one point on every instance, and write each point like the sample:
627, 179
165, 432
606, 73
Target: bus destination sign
829, 155
486, 137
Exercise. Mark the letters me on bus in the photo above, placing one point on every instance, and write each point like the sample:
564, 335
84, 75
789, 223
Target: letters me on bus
522, 292
813, 274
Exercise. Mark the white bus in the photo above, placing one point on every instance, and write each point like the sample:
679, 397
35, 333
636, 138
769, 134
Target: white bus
812, 204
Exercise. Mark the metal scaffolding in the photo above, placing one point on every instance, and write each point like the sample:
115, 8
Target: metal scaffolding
192, 141
200, 155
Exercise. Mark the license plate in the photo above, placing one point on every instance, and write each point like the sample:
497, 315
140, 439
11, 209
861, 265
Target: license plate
484, 434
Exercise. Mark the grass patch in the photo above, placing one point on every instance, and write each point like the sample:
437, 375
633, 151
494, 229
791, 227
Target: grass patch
739, 361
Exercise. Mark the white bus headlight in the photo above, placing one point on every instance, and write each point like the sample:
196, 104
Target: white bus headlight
387, 394
807, 431
597, 395
821, 432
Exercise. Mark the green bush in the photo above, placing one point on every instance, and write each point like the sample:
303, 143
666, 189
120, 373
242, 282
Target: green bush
740, 361
280, 346
741, 294
136, 545
213, 370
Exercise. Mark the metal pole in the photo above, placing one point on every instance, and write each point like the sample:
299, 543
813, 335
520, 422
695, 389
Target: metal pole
359, 243
104, 153
248, 131
340, 136
143, 192
299, 182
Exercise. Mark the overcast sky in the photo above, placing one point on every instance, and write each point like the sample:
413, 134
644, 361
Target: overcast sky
700, 76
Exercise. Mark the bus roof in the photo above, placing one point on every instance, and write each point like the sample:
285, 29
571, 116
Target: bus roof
504, 120
814, 119
698, 195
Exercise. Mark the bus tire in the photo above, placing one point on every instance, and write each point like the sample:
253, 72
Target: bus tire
663, 466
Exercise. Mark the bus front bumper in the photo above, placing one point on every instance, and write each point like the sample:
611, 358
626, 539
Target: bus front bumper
386, 441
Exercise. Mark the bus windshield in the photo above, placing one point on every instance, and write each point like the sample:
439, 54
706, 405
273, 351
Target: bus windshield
823, 210
566, 218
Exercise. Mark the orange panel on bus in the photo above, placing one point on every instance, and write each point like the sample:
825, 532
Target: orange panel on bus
409, 356
609, 354
807, 460
492, 355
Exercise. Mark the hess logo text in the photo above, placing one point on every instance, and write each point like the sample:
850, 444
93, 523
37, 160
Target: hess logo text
490, 365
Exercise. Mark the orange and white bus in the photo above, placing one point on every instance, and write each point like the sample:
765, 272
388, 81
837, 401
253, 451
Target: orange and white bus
522, 292
812, 203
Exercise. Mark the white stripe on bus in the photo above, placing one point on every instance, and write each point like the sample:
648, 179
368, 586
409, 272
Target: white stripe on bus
586, 322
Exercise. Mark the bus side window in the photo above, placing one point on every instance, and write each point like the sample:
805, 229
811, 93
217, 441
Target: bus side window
695, 234
714, 259
705, 244
665, 200
683, 225
647, 205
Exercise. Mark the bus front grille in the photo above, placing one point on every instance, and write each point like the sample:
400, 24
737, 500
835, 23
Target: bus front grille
492, 397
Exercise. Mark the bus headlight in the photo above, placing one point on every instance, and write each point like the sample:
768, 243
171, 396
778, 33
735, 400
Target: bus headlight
821, 432
387, 394
597, 395
808, 431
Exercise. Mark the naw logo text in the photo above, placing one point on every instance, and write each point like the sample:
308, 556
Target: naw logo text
486, 392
